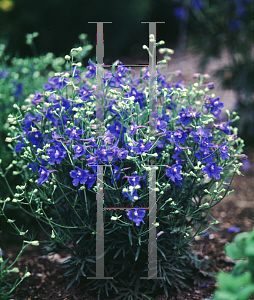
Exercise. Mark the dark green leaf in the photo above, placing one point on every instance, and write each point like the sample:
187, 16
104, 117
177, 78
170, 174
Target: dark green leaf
137, 253
130, 235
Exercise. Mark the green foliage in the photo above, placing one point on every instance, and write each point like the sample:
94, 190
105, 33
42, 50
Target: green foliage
239, 284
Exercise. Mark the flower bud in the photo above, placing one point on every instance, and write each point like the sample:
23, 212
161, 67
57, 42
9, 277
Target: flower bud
161, 43
27, 274
195, 75
210, 85
79, 49
33, 243
13, 270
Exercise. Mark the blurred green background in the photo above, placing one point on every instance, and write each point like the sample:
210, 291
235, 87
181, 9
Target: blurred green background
59, 22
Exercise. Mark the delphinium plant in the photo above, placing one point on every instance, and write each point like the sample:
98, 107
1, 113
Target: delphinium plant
20, 77
63, 137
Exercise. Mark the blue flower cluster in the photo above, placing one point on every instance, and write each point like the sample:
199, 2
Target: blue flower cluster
61, 132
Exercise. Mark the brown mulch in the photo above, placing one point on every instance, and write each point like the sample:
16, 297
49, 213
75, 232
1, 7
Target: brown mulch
47, 280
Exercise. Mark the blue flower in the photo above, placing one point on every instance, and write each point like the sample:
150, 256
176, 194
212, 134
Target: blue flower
59, 82
224, 151
179, 85
180, 136
184, 117
210, 85
115, 129
136, 215
115, 170
174, 173
56, 154
133, 128
66, 103
215, 106
169, 136
50, 115
73, 133
33, 166
199, 133
205, 154
92, 161
213, 171
28, 121
139, 97
80, 176
141, 148
193, 113
90, 180
37, 98
205, 144
49, 86
116, 80
103, 153
179, 161
161, 80
122, 153
180, 13
79, 149
161, 125
35, 138
172, 105
44, 175
85, 93
122, 69
133, 180
224, 127
19, 147
91, 70
178, 150
246, 165
131, 195
233, 229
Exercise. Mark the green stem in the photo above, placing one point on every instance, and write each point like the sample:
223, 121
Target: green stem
7, 183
